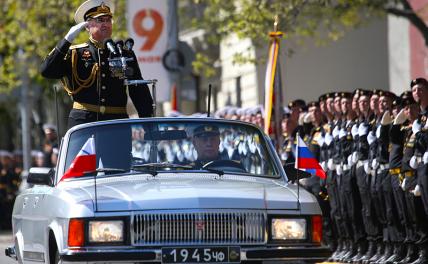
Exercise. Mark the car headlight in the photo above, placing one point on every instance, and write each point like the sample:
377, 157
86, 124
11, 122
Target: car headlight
288, 229
106, 231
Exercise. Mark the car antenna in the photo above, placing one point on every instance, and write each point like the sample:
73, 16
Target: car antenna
209, 100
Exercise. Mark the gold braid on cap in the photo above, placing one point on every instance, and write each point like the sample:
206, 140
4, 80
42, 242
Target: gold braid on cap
75, 80
102, 9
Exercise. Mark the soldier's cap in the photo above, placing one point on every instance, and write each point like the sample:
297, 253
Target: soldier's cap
329, 95
5, 153
387, 94
297, 103
397, 102
366, 93
346, 95
93, 9
357, 92
48, 128
321, 98
313, 104
407, 99
206, 131
376, 92
419, 80
337, 94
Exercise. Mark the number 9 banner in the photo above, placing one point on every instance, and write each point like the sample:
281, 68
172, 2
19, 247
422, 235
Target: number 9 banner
147, 25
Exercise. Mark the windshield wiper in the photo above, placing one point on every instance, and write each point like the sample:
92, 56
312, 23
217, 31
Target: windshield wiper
218, 172
162, 165
104, 170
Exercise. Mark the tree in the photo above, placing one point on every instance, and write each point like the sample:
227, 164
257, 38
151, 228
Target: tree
30, 29
320, 20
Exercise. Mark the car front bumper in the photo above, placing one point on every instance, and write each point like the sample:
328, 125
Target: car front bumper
248, 255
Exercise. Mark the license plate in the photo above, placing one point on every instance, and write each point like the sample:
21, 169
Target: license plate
201, 255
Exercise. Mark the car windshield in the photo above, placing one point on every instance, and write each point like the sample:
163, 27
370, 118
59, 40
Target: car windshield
156, 146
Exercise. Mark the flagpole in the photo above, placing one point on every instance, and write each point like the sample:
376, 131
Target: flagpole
297, 173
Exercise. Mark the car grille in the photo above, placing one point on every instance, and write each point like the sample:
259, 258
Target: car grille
246, 228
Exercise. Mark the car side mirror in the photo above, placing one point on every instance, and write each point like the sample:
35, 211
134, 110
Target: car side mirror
41, 176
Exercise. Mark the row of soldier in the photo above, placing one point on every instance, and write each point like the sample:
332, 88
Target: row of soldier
373, 147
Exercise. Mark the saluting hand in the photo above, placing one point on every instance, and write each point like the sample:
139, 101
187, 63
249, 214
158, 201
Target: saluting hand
400, 118
74, 31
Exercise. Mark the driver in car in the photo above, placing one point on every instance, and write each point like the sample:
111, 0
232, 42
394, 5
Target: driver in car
206, 140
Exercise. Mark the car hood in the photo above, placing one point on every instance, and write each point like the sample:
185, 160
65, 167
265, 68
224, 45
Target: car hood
187, 191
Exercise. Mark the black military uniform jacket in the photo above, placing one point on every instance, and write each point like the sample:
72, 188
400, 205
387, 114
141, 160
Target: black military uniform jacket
86, 76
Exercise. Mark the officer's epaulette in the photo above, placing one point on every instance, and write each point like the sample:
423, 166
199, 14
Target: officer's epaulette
83, 45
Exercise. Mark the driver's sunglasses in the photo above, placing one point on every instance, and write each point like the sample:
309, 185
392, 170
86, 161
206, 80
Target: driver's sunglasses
100, 20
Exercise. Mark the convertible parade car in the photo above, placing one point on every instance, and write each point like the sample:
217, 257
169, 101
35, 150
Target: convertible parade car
165, 190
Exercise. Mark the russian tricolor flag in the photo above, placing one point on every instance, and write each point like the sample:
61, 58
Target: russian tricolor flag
306, 161
84, 161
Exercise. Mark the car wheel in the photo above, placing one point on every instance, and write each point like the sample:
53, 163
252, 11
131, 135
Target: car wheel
18, 252
57, 258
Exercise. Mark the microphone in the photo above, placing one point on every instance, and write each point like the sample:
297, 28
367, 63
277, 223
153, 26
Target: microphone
110, 46
119, 46
129, 43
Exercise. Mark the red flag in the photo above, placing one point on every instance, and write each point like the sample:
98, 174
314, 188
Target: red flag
84, 161
174, 106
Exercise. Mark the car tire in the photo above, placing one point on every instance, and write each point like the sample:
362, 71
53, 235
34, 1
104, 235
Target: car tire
57, 259
18, 252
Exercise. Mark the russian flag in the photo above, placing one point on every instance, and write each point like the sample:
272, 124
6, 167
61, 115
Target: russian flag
306, 161
84, 161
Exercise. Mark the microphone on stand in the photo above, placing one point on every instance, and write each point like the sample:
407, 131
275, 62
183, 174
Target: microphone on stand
119, 46
129, 43
110, 46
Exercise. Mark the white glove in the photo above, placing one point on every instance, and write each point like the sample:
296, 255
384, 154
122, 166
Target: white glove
417, 190
330, 164
354, 131
324, 166
354, 157
363, 130
378, 131
416, 127
367, 167
320, 141
308, 118
425, 157
339, 170
74, 31
413, 162
386, 119
371, 137
375, 164
403, 184
335, 132
328, 139
350, 162
400, 118
342, 133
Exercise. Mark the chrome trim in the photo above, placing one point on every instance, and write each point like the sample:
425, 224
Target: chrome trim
199, 228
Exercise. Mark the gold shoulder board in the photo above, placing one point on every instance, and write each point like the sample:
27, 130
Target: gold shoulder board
83, 45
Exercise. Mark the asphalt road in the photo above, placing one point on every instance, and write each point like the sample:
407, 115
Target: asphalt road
5, 241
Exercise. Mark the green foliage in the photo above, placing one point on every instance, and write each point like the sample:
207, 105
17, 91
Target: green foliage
32, 29
319, 20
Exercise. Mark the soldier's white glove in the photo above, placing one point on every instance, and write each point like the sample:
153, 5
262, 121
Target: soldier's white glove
375, 164
354, 131
330, 164
320, 141
416, 127
367, 167
400, 118
335, 132
74, 31
324, 165
308, 118
328, 139
378, 131
339, 170
417, 190
363, 129
349, 160
371, 137
403, 184
425, 158
413, 162
354, 157
386, 119
342, 133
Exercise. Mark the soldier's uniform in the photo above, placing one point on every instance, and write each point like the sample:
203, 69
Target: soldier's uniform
86, 76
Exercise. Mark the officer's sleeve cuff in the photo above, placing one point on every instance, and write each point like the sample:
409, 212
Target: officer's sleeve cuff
63, 46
